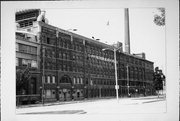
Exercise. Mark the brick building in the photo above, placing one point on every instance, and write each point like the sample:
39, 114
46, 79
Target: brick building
27, 57
68, 66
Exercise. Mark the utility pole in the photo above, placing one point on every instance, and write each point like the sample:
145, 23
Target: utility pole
115, 64
43, 76
128, 79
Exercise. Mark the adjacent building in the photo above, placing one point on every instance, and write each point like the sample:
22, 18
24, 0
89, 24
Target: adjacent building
63, 66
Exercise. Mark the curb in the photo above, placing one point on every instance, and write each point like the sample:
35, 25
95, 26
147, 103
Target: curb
153, 101
90, 100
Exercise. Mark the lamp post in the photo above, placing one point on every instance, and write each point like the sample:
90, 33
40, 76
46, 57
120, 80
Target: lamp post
72, 92
58, 92
85, 92
41, 93
100, 92
115, 65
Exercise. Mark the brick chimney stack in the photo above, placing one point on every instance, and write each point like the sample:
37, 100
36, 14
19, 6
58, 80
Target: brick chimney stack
126, 30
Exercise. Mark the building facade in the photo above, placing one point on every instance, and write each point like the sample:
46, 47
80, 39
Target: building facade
27, 57
69, 66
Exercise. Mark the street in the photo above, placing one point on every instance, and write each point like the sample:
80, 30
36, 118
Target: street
103, 106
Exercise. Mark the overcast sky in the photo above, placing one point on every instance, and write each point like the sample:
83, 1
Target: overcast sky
108, 26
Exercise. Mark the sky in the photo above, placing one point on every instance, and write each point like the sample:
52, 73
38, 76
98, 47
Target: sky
108, 26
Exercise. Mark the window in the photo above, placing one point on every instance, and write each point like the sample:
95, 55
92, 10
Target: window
81, 80
95, 82
74, 80
68, 45
17, 61
61, 43
64, 55
26, 49
48, 79
60, 55
33, 50
86, 80
77, 80
68, 68
67, 56
48, 40
64, 67
53, 54
17, 47
34, 64
25, 62
24, 24
30, 37
53, 79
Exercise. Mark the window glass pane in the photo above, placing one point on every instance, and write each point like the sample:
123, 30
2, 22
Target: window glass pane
74, 80
26, 49
48, 79
17, 61
17, 47
53, 79
81, 81
24, 62
77, 80
34, 63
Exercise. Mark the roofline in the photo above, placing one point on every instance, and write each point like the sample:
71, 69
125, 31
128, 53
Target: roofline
136, 57
89, 40
76, 35
18, 12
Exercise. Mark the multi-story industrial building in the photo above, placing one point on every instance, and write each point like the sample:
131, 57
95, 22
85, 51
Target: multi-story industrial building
67, 66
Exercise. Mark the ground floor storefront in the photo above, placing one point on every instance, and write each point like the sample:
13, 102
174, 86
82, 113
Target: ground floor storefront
69, 88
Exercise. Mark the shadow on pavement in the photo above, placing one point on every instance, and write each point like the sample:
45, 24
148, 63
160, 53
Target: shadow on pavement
60, 112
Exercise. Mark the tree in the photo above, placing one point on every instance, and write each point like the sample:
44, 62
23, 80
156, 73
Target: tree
22, 77
159, 19
159, 77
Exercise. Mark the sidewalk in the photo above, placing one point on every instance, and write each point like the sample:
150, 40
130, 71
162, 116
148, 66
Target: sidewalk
153, 99
66, 102
149, 97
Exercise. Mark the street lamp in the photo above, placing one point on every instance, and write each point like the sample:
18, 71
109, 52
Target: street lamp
115, 65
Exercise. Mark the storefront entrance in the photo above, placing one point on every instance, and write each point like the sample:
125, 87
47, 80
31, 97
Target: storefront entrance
64, 94
65, 88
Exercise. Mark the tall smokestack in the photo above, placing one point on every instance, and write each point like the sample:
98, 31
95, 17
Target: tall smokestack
126, 30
